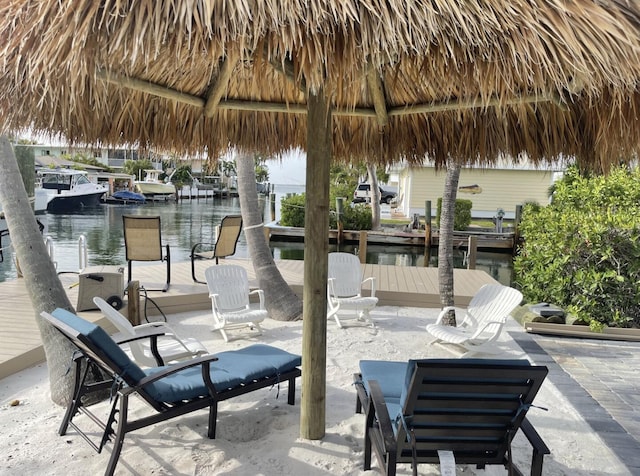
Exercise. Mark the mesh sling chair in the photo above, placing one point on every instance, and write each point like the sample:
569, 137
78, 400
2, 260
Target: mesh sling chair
143, 242
227, 235
170, 391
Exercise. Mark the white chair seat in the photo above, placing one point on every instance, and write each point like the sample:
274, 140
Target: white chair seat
229, 293
255, 315
344, 288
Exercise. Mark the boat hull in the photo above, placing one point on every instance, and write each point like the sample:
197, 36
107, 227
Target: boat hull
70, 203
155, 191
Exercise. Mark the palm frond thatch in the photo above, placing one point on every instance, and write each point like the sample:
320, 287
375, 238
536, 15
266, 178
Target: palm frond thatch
465, 79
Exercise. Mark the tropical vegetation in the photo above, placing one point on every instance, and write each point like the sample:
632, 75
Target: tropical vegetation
582, 252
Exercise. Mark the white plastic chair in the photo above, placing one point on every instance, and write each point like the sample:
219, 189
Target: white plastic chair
170, 347
229, 292
483, 320
344, 288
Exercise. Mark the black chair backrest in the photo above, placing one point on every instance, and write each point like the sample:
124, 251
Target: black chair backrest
472, 407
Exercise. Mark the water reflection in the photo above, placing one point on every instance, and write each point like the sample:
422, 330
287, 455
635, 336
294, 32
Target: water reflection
190, 221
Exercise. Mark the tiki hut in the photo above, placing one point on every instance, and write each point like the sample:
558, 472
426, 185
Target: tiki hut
360, 80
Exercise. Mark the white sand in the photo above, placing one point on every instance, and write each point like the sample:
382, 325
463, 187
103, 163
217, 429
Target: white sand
258, 434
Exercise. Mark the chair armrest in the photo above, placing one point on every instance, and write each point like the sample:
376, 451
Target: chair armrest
153, 325
260, 294
147, 334
493, 328
384, 421
330, 289
444, 312
204, 361
201, 245
534, 438
373, 285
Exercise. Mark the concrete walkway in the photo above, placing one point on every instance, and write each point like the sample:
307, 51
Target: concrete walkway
601, 380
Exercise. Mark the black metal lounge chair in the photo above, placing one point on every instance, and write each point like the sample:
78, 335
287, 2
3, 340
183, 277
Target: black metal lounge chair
143, 242
172, 390
227, 234
469, 408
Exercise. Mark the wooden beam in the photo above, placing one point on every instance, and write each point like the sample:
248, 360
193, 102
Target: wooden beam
374, 83
242, 105
220, 86
150, 88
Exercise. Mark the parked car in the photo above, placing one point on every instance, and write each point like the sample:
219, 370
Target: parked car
363, 194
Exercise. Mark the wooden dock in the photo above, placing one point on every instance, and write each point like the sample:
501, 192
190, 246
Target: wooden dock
396, 286
485, 240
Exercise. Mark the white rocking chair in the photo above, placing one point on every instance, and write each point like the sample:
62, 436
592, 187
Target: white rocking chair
344, 288
229, 292
170, 347
483, 320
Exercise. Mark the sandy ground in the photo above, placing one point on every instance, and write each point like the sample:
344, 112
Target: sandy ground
259, 434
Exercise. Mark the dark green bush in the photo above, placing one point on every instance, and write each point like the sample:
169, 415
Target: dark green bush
582, 252
292, 210
462, 214
354, 218
357, 217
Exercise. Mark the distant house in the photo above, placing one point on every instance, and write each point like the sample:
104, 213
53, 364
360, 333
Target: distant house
503, 186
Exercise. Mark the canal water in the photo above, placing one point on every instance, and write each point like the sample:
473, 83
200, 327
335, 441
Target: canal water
187, 222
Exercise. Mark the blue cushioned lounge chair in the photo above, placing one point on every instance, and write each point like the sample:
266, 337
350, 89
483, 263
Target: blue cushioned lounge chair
466, 409
172, 390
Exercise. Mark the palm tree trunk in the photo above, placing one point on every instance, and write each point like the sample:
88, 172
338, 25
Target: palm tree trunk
445, 244
41, 279
281, 302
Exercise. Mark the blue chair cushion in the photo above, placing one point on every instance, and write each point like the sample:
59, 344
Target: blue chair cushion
103, 343
232, 369
389, 374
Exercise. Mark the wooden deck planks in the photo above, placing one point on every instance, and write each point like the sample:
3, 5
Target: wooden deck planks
396, 286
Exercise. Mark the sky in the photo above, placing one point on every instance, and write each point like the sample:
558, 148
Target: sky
290, 170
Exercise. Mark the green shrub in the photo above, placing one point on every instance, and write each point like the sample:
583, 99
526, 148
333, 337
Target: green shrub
354, 218
461, 216
357, 217
292, 210
582, 252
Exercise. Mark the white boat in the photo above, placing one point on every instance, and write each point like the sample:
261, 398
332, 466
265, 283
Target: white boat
69, 190
154, 189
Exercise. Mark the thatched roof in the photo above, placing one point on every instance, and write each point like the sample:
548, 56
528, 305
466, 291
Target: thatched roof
461, 78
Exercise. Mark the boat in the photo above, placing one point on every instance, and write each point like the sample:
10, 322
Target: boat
153, 188
125, 197
69, 190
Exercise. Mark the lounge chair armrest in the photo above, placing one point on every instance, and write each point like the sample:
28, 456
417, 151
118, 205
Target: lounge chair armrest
444, 312
494, 328
204, 360
260, 294
145, 334
373, 285
381, 411
153, 325
534, 438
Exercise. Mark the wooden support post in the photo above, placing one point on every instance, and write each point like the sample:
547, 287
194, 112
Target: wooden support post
272, 206
472, 252
362, 247
316, 258
427, 245
427, 233
339, 212
133, 302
